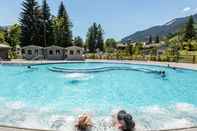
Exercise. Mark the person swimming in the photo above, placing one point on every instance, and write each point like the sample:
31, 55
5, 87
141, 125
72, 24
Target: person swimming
84, 123
125, 121
163, 74
29, 67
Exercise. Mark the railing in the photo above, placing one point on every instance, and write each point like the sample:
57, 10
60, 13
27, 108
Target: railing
178, 59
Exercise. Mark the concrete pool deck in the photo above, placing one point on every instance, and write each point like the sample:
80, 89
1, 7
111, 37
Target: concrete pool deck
178, 65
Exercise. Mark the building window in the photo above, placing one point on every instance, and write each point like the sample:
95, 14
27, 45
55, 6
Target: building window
36, 51
71, 52
78, 52
51, 52
57, 52
29, 52
23, 51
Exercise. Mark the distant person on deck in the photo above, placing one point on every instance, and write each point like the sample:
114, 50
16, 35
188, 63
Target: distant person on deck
174, 68
84, 123
125, 121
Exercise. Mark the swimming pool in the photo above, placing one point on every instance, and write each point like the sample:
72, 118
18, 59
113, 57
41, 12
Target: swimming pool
47, 96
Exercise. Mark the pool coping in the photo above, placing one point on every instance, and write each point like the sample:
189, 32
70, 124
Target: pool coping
13, 128
151, 63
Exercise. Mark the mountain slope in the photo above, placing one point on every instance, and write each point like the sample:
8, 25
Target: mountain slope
162, 30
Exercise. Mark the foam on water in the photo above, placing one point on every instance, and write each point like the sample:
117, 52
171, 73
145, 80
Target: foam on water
78, 76
151, 117
16, 105
185, 107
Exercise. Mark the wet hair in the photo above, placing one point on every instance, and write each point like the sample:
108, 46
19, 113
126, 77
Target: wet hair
128, 120
28, 66
121, 114
129, 123
84, 123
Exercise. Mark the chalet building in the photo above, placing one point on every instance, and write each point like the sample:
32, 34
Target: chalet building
54, 53
74, 53
4, 51
32, 52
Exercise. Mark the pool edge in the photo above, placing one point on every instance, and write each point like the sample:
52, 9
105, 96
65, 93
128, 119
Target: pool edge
13, 128
151, 63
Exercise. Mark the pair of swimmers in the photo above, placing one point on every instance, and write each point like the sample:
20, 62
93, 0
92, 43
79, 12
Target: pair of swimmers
122, 121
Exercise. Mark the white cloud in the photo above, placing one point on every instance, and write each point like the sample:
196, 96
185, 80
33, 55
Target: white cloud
186, 9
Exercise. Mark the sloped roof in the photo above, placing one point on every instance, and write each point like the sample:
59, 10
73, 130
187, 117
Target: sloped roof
54, 46
32, 46
74, 47
4, 45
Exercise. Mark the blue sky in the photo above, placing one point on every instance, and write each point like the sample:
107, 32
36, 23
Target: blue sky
119, 18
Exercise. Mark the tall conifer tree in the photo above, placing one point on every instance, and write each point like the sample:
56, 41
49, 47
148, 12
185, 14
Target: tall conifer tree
189, 30
30, 23
67, 33
94, 38
47, 25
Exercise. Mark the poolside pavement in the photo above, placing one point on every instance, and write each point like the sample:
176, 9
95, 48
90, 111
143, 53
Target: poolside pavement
172, 64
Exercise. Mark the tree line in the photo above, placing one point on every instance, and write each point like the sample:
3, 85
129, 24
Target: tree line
40, 27
37, 26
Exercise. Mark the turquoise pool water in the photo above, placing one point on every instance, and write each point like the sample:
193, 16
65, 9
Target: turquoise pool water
40, 98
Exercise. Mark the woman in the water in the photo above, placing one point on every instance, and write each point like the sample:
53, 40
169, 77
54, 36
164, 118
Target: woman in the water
125, 121
84, 123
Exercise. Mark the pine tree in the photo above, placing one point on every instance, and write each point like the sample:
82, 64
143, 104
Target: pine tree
90, 40
157, 40
47, 25
94, 38
78, 41
30, 20
58, 31
150, 40
189, 30
67, 33
100, 40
